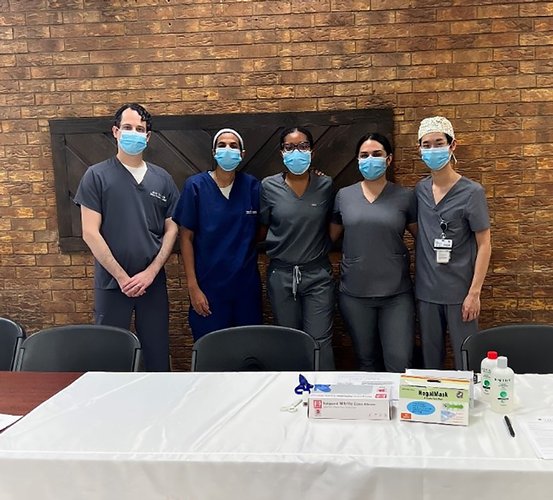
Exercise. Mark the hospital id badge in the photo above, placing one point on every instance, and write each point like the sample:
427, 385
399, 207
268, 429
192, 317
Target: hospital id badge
443, 248
444, 243
443, 256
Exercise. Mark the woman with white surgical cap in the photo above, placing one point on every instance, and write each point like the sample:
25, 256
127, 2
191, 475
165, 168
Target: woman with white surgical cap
453, 246
295, 210
218, 218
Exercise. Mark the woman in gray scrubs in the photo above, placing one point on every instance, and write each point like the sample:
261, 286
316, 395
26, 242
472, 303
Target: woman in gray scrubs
295, 211
376, 298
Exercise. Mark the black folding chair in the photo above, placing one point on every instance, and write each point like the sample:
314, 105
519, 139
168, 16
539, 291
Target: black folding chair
255, 348
80, 348
529, 348
11, 336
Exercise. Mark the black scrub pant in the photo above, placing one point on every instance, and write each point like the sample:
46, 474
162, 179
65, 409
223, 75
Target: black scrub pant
151, 318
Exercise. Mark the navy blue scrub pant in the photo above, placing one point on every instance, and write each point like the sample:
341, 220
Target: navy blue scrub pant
151, 319
241, 308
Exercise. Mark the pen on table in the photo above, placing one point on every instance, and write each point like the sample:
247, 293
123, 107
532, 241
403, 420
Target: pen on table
509, 426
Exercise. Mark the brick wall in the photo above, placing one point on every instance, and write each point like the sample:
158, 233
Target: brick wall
486, 64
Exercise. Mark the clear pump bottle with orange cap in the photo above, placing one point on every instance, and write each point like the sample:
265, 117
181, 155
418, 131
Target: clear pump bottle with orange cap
486, 367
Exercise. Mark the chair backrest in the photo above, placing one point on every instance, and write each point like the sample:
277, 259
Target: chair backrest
11, 336
255, 348
80, 348
529, 348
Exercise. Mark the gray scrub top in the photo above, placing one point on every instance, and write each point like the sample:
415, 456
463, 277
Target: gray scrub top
465, 210
375, 260
298, 226
133, 215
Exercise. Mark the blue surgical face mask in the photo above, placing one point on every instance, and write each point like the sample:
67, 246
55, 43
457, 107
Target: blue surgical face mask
297, 162
132, 143
373, 167
436, 158
228, 158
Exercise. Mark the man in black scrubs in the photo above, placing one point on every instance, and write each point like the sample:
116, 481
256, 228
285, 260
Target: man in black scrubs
126, 208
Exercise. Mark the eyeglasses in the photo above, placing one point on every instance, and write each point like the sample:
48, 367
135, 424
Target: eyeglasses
301, 146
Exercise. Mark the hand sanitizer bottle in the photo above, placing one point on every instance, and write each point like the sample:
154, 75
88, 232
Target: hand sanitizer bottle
488, 364
503, 381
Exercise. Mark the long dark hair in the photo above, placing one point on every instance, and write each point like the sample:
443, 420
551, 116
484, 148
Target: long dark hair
375, 136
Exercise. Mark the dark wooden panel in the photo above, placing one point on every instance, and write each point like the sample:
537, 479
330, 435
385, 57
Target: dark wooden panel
182, 145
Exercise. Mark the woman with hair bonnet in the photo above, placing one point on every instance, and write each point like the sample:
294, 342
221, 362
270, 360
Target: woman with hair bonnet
218, 218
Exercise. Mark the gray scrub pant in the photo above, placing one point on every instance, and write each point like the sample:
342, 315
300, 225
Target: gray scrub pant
312, 308
435, 320
151, 319
382, 330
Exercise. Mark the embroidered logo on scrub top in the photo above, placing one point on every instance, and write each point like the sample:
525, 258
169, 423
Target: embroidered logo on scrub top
159, 196
251, 212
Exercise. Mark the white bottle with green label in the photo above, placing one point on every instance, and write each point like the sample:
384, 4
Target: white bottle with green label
486, 367
503, 381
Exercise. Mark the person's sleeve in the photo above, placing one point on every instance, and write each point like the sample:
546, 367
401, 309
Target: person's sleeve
337, 211
89, 192
412, 208
264, 206
477, 210
186, 211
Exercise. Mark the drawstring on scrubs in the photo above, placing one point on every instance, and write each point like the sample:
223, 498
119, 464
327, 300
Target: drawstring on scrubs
296, 280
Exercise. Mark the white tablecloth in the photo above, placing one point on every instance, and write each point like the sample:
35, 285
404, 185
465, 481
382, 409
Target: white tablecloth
210, 436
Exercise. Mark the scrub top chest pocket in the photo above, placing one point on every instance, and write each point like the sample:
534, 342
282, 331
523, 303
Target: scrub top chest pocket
249, 215
156, 208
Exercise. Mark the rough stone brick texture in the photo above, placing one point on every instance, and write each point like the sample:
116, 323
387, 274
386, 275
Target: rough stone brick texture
486, 65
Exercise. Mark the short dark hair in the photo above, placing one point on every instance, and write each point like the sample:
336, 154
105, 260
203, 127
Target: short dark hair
147, 117
291, 130
374, 136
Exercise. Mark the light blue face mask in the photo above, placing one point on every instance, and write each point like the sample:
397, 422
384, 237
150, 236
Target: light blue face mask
228, 158
372, 168
297, 162
132, 143
436, 158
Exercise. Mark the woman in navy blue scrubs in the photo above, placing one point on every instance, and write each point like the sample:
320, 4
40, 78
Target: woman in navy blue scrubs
218, 218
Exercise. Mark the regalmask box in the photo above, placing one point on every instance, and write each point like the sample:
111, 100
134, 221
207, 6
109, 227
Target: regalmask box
434, 400
350, 401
